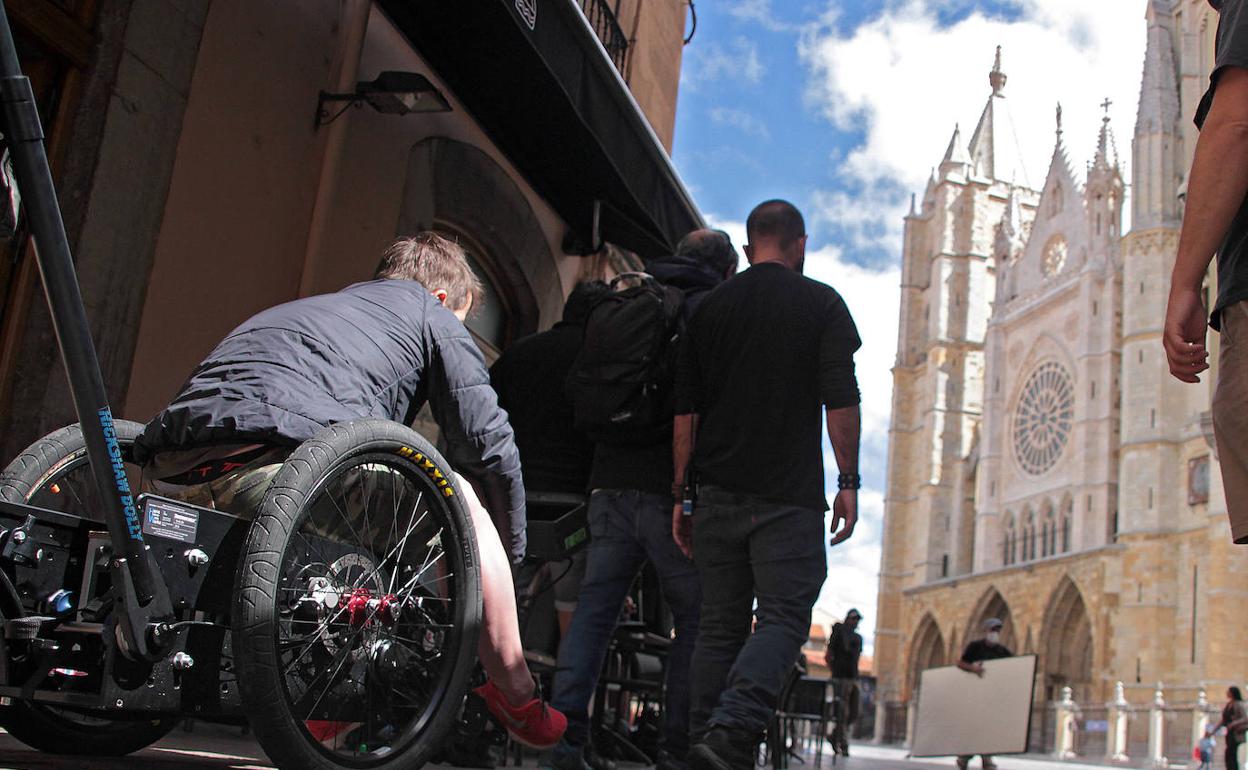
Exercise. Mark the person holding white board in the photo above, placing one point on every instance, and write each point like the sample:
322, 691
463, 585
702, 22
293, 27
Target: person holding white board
988, 647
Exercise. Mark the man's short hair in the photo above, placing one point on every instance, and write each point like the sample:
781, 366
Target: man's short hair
775, 219
582, 299
434, 262
712, 248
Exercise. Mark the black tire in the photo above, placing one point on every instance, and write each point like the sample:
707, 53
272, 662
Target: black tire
58, 462
309, 559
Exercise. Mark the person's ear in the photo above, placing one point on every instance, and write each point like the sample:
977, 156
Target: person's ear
440, 295
749, 253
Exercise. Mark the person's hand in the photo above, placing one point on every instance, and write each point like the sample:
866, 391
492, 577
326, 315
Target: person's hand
1184, 335
682, 530
844, 515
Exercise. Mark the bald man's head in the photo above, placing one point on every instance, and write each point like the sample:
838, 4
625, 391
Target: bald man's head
776, 233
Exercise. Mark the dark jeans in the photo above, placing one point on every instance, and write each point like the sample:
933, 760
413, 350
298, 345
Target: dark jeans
748, 550
627, 528
1232, 756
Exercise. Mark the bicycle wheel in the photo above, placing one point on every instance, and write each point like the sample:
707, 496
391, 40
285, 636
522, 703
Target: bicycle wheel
358, 602
54, 473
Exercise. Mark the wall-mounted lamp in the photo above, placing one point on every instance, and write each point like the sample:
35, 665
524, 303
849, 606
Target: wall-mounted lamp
392, 93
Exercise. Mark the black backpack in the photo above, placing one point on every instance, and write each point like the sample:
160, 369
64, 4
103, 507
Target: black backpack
620, 385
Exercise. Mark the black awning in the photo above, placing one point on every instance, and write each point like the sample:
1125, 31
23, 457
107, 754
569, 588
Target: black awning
549, 97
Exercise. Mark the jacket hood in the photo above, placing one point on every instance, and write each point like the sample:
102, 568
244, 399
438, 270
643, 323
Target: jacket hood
684, 273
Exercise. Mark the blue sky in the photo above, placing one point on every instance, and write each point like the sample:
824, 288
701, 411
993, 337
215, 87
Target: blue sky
843, 108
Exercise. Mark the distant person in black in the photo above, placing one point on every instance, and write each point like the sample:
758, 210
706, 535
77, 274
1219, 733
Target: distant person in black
988, 647
762, 358
844, 650
556, 457
629, 509
1215, 221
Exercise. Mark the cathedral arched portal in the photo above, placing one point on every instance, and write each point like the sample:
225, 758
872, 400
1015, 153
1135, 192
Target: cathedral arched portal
993, 605
927, 650
1067, 643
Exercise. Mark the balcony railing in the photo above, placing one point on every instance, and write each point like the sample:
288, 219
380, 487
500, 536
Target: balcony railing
607, 26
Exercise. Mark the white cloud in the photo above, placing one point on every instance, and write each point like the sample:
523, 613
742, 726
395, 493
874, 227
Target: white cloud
741, 120
904, 80
758, 12
712, 61
873, 297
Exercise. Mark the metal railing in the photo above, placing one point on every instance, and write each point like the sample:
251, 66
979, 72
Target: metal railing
606, 25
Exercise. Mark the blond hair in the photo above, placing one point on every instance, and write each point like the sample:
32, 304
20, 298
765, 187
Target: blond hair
436, 263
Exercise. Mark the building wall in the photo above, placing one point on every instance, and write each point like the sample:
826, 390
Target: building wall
657, 32
257, 191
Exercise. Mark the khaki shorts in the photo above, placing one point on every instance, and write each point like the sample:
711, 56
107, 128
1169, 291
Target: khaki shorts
239, 492
1230, 416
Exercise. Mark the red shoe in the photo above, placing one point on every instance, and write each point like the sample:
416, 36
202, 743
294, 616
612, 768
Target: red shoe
535, 724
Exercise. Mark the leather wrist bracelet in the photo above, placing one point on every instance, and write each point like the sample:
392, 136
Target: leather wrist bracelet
849, 481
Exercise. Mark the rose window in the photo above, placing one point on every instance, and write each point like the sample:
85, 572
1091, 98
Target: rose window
1043, 418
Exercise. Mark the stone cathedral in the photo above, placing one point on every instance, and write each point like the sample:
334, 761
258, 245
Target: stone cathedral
1044, 467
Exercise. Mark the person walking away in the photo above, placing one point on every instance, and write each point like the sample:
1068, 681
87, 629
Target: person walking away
529, 377
628, 521
762, 358
988, 647
1235, 720
844, 650
291, 370
1215, 219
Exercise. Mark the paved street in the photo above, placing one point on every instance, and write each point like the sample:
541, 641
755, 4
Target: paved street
212, 746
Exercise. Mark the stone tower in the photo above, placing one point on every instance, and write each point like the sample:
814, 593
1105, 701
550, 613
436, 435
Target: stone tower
948, 281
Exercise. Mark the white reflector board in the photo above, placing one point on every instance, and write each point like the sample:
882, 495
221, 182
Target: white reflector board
961, 713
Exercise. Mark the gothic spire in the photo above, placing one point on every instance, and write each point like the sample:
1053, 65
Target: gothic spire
955, 152
997, 78
1106, 148
994, 150
1157, 143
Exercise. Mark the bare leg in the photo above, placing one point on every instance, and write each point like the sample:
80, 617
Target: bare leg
500, 649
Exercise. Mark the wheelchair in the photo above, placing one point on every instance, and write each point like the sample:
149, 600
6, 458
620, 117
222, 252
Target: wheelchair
340, 622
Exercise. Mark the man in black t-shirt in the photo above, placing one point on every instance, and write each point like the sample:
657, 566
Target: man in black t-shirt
844, 650
988, 647
762, 358
1216, 220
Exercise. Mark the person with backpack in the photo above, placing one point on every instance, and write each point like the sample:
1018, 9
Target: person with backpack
621, 390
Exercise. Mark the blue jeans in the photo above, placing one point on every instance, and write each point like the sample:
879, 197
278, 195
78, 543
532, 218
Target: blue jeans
748, 549
626, 528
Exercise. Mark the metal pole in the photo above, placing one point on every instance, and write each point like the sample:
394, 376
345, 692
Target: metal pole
69, 319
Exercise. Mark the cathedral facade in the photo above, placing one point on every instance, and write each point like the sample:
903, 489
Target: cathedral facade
1044, 467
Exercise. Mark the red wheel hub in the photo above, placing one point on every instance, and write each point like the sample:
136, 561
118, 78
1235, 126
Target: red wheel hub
363, 610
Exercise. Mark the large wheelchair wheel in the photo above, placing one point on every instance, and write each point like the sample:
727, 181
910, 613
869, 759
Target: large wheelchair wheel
54, 473
358, 602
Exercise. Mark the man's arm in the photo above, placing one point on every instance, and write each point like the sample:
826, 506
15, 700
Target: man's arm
1216, 188
480, 443
845, 432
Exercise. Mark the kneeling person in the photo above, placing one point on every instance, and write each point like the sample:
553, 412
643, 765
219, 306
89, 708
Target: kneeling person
376, 349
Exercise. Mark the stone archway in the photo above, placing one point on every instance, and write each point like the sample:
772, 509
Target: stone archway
455, 186
993, 605
1066, 644
927, 650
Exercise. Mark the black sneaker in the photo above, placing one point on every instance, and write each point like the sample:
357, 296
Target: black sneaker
724, 748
